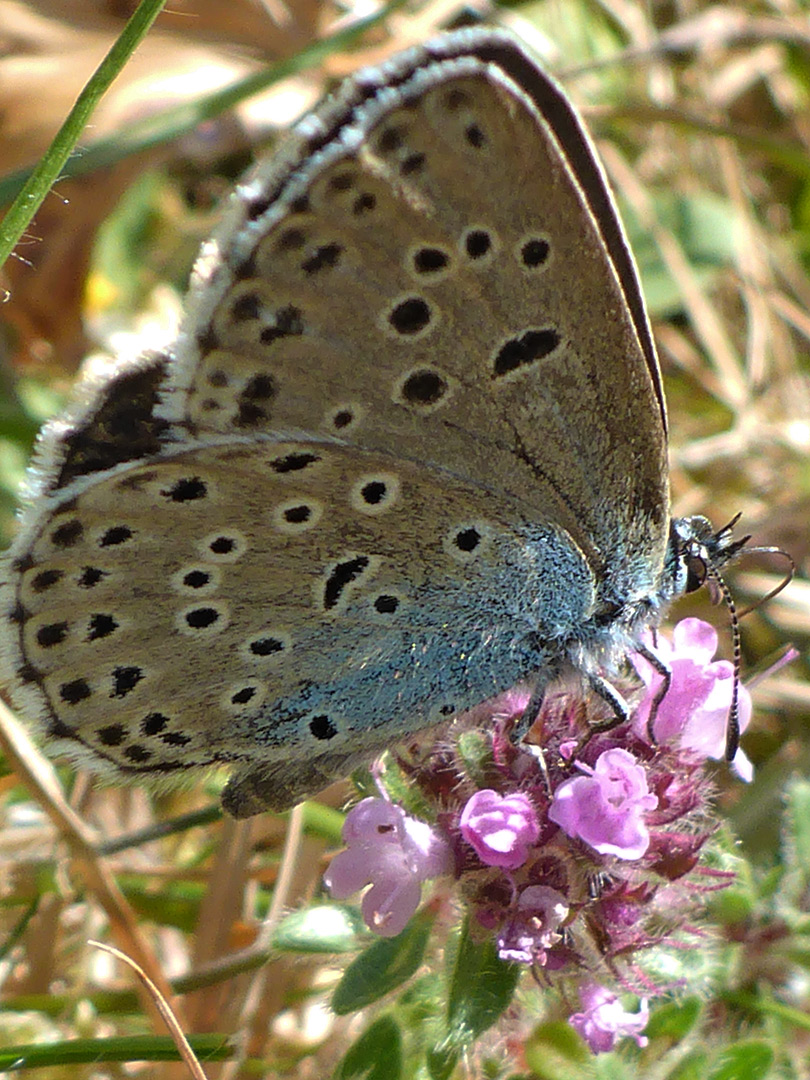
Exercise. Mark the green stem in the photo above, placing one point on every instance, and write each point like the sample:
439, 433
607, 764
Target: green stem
50, 167
158, 129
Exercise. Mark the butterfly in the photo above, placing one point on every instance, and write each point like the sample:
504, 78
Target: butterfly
407, 451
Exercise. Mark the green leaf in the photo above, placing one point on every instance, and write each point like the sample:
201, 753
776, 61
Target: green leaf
763, 1003
323, 928
477, 758
731, 906
420, 1005
481, 986
554, 1051
692, 1067
125, 1048
797, 824
400, 788
385, 965
177, 906
441, 1061
616, 1066
750, 1060
377, 1054
673, 1020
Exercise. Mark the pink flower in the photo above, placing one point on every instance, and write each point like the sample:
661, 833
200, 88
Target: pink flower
603, 1020
394, 854
533, 926
606, 807
694, 713
501, 828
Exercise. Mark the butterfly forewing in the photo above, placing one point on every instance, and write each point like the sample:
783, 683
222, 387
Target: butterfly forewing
433, 282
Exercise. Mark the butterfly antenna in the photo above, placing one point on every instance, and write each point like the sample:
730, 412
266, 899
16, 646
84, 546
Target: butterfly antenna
731, 550
733, 720
786, 580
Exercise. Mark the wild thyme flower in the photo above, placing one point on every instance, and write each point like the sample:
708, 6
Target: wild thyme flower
532, 929
606, 806
603, 1019
573, 849
694, 713
501, 828
394, 854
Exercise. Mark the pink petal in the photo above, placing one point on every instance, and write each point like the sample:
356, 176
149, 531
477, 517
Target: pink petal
388, 905
694, 639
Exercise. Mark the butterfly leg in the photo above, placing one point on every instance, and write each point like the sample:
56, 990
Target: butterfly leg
605, 690
664, 671
618, 706
531, 711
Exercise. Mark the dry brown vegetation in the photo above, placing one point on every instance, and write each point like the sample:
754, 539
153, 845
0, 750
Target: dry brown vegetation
702, 115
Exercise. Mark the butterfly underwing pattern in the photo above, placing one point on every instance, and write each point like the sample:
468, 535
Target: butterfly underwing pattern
407, 451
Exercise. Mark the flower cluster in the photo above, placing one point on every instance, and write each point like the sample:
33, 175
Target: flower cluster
576, 844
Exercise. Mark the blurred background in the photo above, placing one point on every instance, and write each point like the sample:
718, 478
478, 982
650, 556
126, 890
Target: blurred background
701, 113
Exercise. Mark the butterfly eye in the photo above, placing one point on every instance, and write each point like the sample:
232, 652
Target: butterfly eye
695, 572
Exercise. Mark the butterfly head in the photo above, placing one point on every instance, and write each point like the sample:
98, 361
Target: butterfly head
697, 552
